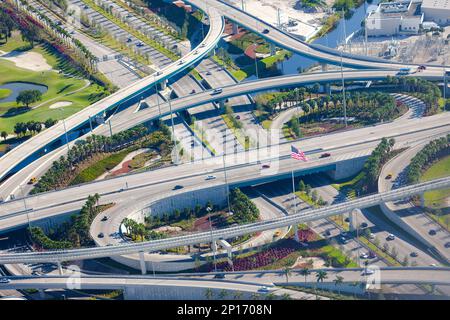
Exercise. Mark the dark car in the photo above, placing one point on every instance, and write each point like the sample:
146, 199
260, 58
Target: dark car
266, 166
325, 155
265, 31
105, 218
192, 91
219, 276
238, 117
363, 225
177, 187
432, 232
447, 245
414, 254
372, 255
101, 235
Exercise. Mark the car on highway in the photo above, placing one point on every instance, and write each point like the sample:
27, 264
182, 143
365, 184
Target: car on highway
325, 155
101, 235
421, 68
208, 73
159, 73
414, 254
203, 45
367, 272
105, 218
32, 180
389, 176
372, 255
219, 276
390, 237
264, 289
364, 255
447, 245
371, 236
238, 117
196, 52
344, 240
4, 280
265, 31
139, 44
181, 62
86, 7
177, 187
129, 40
432, 232
327, 233
363, 225
277, 233
217, 91
193, 91
266, 166
210, 177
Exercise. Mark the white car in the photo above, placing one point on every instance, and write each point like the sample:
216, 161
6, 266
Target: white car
264, 289
390, 237
367, 272
210, 177
5, 280
364, 255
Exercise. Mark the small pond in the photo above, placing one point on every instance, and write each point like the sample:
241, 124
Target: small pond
16, 87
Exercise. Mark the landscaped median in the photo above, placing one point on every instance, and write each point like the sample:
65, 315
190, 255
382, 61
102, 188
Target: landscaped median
154, 44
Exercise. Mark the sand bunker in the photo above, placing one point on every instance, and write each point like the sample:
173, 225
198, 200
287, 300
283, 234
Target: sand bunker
27, 60
60, 104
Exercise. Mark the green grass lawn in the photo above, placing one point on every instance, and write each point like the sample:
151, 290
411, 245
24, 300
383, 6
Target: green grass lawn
5, 93
59, 86
437, 199
349, 187
97, 169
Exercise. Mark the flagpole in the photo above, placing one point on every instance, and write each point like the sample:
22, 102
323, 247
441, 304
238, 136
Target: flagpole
293, 191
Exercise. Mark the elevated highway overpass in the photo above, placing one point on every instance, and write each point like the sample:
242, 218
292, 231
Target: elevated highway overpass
226, 233
242, 169
246, 282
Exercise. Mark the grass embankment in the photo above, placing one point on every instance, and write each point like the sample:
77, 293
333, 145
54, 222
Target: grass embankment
97, 169
59, 86
438, 200
5, 93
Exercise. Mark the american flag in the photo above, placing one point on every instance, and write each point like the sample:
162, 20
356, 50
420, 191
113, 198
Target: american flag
297, 154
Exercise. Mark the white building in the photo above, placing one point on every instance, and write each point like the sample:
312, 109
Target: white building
437, 11
395, 18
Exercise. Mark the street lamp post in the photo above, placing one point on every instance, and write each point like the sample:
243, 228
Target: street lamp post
65, 131
213, 244
173, 132
225, 173
25, 205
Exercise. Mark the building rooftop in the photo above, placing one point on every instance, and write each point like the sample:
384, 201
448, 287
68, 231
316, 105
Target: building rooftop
438, 4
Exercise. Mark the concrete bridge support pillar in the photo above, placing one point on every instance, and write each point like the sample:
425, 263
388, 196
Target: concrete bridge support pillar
163, 84
235, 28
222, 105
142, 262
295, 228
353, 219
41, 293
273, 49
60, 269
422, 200
326, 86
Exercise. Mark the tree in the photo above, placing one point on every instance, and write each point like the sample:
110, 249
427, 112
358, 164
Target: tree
301, 186
308, 189
314, 196
209, 293
287, 273
4, 135
321, 275
222, 294
305, 272
28, 96
338, 281
286, 296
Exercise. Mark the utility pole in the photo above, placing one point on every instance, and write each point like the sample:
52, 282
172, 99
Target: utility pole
225, 173
342, 76
213, 244
173, 133
25, 205
256, 63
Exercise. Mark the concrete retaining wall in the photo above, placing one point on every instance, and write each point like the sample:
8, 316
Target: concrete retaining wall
347, 168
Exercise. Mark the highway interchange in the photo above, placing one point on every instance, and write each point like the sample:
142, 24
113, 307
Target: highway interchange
244, 168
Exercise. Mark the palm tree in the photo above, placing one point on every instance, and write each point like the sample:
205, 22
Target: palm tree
305, 272
287, 273
338, 281
321, 275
